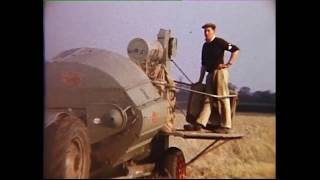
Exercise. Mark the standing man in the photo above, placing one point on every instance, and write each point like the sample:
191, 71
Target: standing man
217, 79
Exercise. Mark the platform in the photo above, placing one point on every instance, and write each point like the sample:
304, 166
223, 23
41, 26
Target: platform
204, 135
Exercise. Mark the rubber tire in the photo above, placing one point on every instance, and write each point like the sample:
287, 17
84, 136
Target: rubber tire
59, 138
170, 164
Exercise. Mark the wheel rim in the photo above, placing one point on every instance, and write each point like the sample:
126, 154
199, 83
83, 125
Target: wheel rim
74, 159
181, 168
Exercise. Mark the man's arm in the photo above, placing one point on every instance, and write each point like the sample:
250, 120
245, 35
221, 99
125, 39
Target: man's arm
233, 58
234, 53
202, 73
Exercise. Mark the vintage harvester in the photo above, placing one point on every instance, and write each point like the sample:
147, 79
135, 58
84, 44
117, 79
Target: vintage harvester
110, 116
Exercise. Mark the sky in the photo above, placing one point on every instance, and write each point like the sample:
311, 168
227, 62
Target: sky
110, 25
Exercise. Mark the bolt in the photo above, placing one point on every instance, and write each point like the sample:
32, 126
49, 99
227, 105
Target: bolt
96, 121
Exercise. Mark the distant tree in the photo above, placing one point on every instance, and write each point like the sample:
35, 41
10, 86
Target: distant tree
263, 96
245, 94
257, 94
232, 86
244, 90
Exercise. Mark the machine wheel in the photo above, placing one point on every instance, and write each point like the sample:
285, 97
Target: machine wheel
67, 149
173, 164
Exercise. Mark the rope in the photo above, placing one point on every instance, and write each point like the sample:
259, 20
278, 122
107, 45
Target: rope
199, 92
181, 71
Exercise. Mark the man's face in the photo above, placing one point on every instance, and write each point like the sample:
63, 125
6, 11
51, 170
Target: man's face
208, 33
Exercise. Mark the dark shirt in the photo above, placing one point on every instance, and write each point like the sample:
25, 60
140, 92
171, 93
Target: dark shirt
213, 53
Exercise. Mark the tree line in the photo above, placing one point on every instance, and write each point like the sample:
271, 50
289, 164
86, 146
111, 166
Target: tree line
257, 101
245, 95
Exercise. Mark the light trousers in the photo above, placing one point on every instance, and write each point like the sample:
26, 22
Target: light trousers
217, 84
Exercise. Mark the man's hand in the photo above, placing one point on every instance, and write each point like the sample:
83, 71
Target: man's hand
222, 66
199, 82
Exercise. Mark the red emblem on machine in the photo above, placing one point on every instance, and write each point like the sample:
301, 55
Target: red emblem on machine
71, 78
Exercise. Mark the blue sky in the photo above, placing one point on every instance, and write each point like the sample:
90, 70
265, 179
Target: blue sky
250, 24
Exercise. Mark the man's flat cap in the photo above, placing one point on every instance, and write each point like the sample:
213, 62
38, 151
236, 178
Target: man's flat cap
213, 26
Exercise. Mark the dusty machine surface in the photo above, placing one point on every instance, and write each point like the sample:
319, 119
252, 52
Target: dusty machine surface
104, 114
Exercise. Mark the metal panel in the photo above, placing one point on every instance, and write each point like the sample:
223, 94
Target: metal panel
143, 94
76, 85
71, 73
124, 71
154, 116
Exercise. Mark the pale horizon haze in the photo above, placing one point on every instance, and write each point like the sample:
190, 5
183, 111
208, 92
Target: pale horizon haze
110, 25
